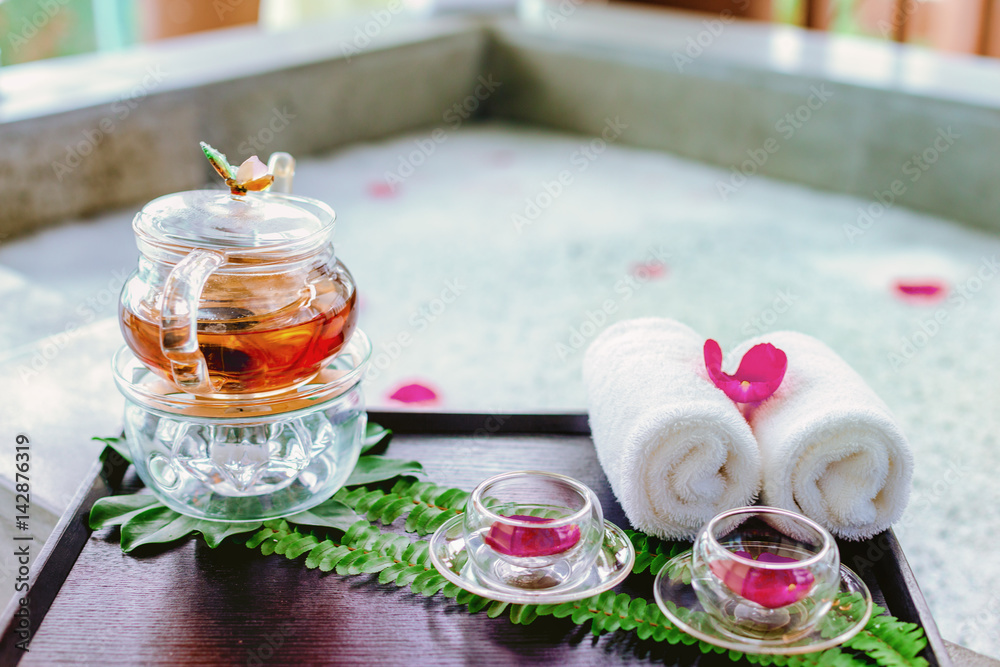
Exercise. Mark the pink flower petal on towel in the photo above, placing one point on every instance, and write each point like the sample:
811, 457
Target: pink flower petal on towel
927, 291
381, 190
414, 393
760, 373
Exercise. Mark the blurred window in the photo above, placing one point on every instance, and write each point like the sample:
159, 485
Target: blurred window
964, 26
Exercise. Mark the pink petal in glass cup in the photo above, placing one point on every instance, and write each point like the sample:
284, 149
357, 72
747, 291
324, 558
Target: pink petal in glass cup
533, 531
765, 573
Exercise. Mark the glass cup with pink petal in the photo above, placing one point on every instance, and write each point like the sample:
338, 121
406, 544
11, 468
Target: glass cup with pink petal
533, 530
764, 573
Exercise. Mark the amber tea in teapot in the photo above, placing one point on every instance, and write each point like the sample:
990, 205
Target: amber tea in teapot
247, 352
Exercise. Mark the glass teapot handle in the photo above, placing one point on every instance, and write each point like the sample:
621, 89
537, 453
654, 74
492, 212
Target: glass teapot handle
179, 320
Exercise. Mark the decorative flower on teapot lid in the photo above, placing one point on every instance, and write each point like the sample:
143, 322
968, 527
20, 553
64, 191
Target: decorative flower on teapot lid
251, 175
245, 219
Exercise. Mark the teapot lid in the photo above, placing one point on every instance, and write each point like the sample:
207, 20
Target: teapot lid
216, 219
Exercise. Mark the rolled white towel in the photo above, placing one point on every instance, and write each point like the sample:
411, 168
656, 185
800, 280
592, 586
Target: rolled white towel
676, 450
829, 446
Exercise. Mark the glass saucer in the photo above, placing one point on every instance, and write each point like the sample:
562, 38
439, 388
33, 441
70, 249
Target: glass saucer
614, 563
677, 600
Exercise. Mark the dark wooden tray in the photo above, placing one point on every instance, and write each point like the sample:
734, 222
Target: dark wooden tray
187, 604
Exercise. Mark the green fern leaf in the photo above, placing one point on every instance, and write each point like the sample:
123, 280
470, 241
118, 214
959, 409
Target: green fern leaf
257, 538
333, 557
465, 597
407, 576
418, 582
644, 631
477, 604
414, 517
436, 522
583, 611
352, 535
431, 584
285, 541
372, 563
346, 564
301, 546
317, 553
523, 614
367, 500
389, 574
496, 608
452, 499
394, 510
379, 505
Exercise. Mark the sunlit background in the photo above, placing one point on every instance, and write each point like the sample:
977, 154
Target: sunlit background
68, 27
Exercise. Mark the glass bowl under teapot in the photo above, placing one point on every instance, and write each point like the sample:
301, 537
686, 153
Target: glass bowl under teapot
236, 295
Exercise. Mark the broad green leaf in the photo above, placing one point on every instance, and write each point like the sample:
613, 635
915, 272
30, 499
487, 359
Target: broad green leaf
116, 510
119, 445
379, 468
332, 514
375, 435
157, 524
215, 532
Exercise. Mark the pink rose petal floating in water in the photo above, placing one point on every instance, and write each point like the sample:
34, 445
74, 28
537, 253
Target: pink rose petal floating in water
414, 393
926, 291
526, 542
645, 271
381, 190
760, 373
768, 588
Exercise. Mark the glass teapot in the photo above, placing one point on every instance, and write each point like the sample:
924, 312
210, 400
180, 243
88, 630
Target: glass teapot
236, 295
